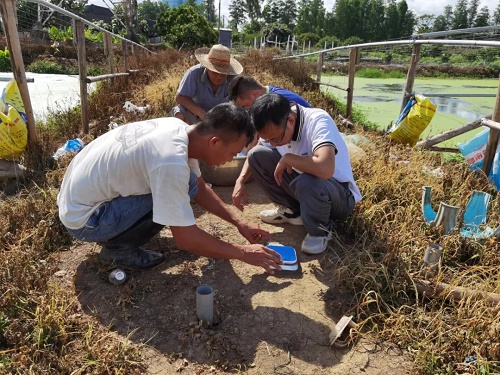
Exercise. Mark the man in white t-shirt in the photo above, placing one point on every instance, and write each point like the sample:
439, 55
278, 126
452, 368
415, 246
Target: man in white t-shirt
303, 165
126, 185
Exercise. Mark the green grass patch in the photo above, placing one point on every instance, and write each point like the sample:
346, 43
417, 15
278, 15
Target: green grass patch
378, 73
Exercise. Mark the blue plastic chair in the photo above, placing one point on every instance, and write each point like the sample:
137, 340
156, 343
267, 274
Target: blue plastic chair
474, 218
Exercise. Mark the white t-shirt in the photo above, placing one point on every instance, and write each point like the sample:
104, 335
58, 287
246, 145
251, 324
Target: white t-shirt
315, 128
146, 157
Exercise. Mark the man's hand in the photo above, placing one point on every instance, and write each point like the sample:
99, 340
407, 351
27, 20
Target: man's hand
259, 255
282, 166
253, 233
240, 197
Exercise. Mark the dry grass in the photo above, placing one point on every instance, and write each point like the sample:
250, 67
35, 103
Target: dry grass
380, 247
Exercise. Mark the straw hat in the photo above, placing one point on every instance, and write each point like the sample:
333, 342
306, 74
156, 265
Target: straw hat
218, 59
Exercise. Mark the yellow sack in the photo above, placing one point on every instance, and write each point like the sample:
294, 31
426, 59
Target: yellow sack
413, 120
13, 129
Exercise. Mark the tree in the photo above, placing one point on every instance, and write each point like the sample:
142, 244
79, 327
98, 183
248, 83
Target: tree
270, 13
443, 22
148, 12
276, 31
340, 19
209, 8
460, 18
392, 20
184, 27
440, 24
483, 18
252, 31
472, 12
237, 13
424, 23
311, 17
496, 15
288, 13
375, 21
150, 9
253, 9
406, 19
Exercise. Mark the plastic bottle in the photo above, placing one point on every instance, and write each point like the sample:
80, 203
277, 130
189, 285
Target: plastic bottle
73, 145
117, 277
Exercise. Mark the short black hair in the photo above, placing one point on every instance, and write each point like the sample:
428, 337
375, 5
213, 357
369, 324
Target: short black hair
228, 122
267, 108
240, 86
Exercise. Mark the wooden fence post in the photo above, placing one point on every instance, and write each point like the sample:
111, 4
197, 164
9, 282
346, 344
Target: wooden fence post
9, 20
410, 78
353, 56
321, 59
79, 40
125, 55
108, 52
493, 137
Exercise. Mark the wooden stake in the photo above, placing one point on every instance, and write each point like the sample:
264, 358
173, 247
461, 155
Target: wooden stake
79, 39
457, 293
491, 147
9, 20
353, 57
410, 78
427, 143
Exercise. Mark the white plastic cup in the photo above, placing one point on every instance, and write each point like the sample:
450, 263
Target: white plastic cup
205, 303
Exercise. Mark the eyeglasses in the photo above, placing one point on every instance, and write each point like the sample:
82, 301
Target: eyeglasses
273, 140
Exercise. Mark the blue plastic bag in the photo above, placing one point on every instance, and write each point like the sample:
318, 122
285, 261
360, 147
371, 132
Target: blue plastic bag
473, 151
73, 145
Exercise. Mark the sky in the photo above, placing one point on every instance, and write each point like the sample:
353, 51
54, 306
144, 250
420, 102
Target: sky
419, 7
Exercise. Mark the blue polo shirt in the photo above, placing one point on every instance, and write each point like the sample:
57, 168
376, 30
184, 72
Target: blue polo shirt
291, 96
196, 85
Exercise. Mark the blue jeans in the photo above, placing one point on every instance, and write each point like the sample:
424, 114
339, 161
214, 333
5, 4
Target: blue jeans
117, 215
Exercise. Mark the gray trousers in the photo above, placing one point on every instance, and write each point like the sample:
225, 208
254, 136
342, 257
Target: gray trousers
319, 201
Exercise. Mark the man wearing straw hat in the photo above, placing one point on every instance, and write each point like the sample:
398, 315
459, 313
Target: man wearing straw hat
206, 84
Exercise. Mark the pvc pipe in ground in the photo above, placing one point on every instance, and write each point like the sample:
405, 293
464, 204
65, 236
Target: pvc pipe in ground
205, 303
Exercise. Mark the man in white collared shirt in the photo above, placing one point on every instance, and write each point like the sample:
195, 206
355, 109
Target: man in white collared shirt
303, 165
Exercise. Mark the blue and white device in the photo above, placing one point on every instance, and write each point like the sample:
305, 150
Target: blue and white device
288, 256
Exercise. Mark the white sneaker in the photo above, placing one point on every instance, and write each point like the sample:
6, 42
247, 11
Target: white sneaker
280, 215
315, 244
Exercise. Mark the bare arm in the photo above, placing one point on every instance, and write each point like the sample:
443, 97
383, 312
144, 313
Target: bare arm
197, 241
321, 164
190, 105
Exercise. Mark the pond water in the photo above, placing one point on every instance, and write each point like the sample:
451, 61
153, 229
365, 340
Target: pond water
380, 100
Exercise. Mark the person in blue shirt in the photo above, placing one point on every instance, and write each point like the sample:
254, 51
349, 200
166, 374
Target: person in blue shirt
243, 90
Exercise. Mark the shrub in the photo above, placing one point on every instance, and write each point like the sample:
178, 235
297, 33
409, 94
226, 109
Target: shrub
5, 61
49, 67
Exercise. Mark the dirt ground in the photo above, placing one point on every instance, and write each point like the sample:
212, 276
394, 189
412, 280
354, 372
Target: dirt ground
264, 324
